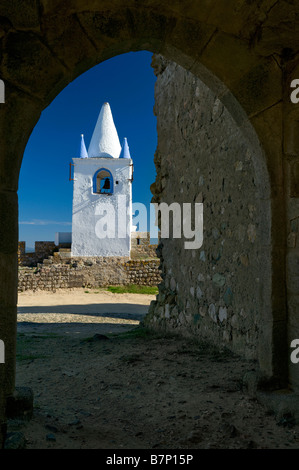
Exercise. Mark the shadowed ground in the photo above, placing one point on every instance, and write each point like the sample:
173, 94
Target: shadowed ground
106, 385
79, 311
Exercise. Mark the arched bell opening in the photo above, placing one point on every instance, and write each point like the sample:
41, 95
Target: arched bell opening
103, 182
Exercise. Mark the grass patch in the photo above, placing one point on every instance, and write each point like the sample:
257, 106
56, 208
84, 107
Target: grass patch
141, 333
138, 332
133, 289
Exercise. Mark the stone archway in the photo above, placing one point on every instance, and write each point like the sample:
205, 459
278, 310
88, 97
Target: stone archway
251, 49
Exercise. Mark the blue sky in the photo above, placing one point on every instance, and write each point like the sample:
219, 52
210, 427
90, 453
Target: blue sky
45, 192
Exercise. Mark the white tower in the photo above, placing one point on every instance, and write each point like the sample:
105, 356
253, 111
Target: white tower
102, 193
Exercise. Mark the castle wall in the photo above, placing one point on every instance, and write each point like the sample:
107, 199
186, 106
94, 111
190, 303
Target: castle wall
220, 291
91, 273
141, 246
53, 267
42, 250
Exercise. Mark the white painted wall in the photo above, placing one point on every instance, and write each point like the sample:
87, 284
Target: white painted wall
88, 208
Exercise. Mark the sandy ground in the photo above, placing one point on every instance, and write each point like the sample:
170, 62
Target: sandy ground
130, 389
80, 311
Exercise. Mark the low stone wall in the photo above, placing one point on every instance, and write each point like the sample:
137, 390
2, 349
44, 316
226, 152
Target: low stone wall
141, 246
144, 252
91, 273
42, 250
140, 249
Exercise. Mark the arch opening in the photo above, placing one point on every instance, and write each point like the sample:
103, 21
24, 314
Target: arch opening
103, 182
261, 183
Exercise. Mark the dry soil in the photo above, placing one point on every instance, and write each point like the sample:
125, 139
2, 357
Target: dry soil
102, 382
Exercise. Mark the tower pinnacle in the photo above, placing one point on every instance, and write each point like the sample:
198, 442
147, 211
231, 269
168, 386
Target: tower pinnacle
83, 151
104, 141
125, 151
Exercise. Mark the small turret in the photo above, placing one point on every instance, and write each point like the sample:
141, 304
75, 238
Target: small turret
83, 152
125, 151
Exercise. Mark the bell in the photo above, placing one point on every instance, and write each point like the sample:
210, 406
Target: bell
106, 184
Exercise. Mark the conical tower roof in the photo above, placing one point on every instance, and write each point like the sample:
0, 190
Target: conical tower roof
105, 141
83, 151
125, 151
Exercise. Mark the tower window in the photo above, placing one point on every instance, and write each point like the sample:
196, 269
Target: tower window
103, 182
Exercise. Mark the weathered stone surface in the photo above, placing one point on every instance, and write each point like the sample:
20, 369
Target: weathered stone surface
203, 156
23, 51
21, 13
89, 272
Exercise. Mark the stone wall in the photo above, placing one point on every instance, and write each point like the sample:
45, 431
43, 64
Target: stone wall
53, 267
217, 292
141, 246
42, 250
89, 272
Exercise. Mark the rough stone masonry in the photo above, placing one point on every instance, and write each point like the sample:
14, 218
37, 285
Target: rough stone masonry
89, 272
216, 292
52, 267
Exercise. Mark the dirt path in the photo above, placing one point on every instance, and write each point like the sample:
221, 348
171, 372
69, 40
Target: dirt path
133, 390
